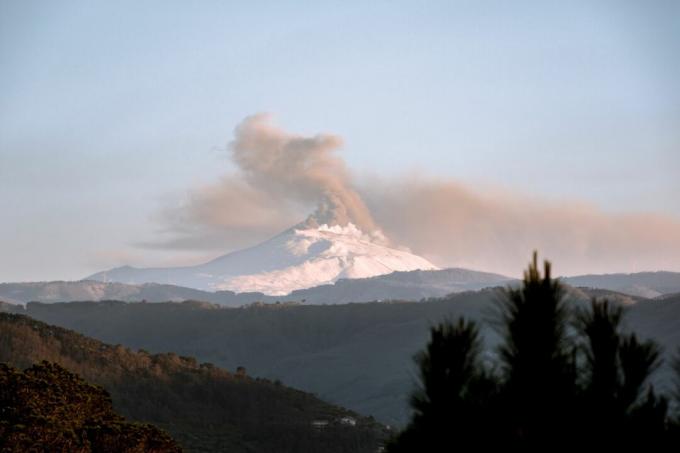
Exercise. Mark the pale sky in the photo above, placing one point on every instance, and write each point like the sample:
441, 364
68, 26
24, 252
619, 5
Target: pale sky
112, 111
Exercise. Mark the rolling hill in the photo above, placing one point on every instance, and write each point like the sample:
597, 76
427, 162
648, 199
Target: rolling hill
205, 408
354, 355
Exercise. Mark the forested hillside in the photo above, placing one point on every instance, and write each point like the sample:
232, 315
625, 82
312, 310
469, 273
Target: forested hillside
47, 408
205, 408
356, 355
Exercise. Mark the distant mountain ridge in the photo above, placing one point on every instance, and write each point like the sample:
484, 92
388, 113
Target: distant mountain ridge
60, 291
411, 285
644, 284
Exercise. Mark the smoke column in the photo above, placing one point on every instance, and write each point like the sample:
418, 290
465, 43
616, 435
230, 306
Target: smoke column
304, 169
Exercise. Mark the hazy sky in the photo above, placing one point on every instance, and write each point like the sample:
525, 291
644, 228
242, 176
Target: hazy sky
110, 112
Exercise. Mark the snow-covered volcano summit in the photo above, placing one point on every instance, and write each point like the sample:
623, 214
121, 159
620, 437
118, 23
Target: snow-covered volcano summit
304, 256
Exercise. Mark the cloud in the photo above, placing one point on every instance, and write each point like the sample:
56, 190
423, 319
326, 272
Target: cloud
282, 177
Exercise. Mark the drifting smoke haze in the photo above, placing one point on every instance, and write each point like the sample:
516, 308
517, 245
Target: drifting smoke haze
282, 177
455, 225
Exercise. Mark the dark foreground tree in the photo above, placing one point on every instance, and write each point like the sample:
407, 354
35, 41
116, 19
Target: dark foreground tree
565, 378
455, 390
615, 398
48, 409
538, 378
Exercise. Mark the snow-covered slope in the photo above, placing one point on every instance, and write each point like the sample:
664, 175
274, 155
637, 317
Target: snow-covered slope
301, 257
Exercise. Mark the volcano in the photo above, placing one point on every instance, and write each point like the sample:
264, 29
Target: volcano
303, 256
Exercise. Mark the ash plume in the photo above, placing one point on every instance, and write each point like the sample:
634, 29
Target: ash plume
301, 169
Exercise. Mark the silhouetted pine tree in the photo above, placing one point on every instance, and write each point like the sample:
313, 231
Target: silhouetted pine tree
536, 357
600, 377
674, 425
617, 402
568, 378
455, 391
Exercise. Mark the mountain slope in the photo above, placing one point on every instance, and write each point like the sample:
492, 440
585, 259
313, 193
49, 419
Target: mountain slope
203, 407
301, 257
